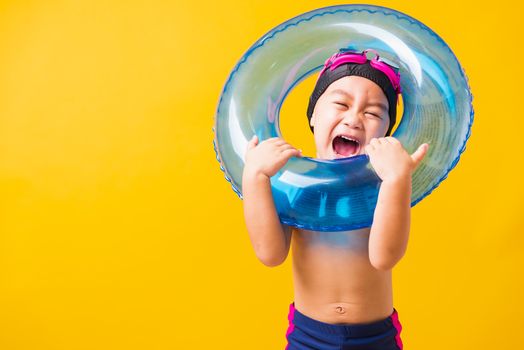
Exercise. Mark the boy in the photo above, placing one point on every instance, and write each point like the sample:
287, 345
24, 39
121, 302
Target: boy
342, 280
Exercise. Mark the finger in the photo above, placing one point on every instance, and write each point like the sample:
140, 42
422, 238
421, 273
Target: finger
369, 148
253, 142
393, 140
271, 140
285, 146
283, 142
289, 147
280, 142
419, 154
292, 152
275, 139
374, 141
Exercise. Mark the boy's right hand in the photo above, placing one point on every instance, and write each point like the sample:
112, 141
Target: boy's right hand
268, 157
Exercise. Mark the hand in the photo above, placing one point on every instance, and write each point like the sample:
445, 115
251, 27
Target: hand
391, 161
268, 157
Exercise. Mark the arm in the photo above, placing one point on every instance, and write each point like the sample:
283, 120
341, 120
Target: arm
388, 238
269, 237
392, 218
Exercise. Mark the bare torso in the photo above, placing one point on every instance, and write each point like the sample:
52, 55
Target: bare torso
334, 280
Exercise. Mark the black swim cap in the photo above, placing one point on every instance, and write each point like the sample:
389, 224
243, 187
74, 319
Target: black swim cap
364, 70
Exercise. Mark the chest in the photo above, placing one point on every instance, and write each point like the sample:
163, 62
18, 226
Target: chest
355, 240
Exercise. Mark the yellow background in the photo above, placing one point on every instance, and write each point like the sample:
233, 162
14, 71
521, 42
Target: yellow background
118, 230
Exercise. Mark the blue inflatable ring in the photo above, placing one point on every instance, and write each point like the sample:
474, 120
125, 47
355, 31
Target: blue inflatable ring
337, 195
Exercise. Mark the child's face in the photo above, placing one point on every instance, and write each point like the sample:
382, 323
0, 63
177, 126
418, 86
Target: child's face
353, 107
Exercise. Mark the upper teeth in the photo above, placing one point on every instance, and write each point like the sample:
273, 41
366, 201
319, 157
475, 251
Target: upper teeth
348, 138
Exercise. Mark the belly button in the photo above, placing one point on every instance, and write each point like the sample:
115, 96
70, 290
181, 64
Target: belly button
340, 310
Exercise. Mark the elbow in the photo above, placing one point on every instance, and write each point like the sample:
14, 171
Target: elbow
385, 260
271, 260
383, 265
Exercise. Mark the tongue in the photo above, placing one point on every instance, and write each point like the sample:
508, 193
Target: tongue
344, 147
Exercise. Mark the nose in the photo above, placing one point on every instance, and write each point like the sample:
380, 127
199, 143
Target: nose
352, 119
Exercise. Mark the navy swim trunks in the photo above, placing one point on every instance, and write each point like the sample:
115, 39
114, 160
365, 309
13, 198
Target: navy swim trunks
305, 333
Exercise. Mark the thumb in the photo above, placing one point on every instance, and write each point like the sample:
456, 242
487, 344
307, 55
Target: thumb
252, 143
419, 154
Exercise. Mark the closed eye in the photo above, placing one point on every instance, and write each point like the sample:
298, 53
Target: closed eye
342, 104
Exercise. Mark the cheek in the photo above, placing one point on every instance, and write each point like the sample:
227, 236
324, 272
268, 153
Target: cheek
318, 139
327, 120
377, 127
321, 139
322, 131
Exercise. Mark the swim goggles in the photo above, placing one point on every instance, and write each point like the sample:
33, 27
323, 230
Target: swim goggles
348, 56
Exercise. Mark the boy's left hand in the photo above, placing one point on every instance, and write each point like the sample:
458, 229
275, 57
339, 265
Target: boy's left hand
391, 161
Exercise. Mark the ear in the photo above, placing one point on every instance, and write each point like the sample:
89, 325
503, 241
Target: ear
312, 120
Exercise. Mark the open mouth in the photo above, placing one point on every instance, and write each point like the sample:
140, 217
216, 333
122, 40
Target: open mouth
346, 146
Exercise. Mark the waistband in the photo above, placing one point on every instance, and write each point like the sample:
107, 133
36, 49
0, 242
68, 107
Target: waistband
349, 330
